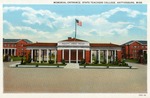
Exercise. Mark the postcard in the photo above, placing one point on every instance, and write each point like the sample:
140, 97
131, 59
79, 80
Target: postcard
73, 48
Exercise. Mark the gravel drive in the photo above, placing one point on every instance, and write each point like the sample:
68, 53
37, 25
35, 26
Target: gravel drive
59, 80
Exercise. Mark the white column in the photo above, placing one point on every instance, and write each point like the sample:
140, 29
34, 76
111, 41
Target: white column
69, 56
63, 54
83, 54
91, 56
11, 52
55, 56
77, 56
99, 56
114, 55
31, 55
39, 55
107, 56
47, 55
14, 52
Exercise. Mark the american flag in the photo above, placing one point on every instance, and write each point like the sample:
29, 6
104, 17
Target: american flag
79, 23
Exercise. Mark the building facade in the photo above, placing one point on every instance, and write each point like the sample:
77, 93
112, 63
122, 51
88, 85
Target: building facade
15, 47
134, 49
73, 51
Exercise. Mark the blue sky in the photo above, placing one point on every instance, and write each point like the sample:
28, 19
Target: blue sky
52, 23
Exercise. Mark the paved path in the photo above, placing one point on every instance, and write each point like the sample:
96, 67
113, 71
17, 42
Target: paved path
72, 66
59, 80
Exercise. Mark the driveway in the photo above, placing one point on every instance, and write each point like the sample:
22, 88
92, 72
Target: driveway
59, 80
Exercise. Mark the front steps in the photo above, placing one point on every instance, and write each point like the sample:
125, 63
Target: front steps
72, 66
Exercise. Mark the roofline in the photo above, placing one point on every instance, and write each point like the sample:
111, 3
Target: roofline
38, 43
105, 43
134, 41
9, 42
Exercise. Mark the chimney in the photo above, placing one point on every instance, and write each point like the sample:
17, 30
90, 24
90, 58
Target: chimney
69, 38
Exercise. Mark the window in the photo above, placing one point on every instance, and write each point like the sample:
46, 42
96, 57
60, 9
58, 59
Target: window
142, 46
8, 44
135, 46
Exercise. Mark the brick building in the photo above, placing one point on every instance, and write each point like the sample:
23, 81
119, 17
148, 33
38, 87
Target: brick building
15, 47
73, 51
134, 49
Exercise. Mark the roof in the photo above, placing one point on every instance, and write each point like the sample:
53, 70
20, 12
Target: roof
103, 45
139, 41
143, 42
43, 44
15, 40
74, 39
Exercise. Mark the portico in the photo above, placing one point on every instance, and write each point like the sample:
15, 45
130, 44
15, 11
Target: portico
73, 51
9, 51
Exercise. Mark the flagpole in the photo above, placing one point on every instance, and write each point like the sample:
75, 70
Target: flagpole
75, 28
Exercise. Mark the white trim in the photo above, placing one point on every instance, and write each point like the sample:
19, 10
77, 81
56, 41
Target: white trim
72, 48
55, 55
83, 54
114, 55
63, 54
73, 43
107, 56
99, 56
11, 52
39, 55
31, 55
14, 52
9, 48
47, 55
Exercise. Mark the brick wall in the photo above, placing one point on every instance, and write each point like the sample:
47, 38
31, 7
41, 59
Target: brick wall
119, 56
87, 58
59, 56
132, 50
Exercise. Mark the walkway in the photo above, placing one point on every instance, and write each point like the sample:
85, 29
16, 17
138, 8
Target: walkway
72, 66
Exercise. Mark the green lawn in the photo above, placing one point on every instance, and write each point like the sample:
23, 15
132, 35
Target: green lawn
16, 58
46, 64
101, 65
132, 60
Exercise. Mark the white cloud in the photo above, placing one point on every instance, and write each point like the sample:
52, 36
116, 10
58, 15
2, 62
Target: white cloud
131, 13
98, 25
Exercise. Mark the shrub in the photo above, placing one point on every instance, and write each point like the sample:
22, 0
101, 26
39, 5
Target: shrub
22, 60
107, 66
116, 62
42, 61
63, 61
5, 58
82, 61
37, 65
104, 61
51, 61
96, 62
29, 58
123, 63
